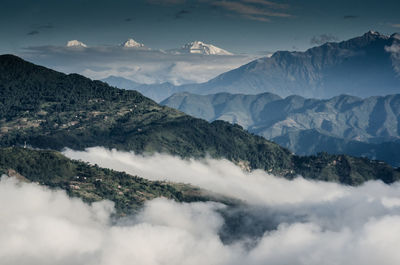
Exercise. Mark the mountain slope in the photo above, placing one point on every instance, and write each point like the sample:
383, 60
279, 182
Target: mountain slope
368, 65
156, 92
92, 183
47, 109
121, 82
343, 124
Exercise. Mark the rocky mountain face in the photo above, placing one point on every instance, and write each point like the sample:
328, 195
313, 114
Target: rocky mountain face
342, 124
366, 65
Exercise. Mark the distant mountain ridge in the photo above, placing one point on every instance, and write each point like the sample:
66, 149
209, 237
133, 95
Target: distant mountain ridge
303, 125
156, 92
365, 66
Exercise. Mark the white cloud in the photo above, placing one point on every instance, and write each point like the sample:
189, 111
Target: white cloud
394, 51
220, 176
316, 222
142, 66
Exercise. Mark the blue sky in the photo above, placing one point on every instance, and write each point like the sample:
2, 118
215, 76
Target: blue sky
242, 26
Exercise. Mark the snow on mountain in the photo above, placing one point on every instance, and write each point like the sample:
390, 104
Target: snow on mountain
131, 43
76, 43
198, 47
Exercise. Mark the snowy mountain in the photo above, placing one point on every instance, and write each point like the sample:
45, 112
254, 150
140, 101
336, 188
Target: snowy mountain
131, 43
76, 43
198, 47
368, 65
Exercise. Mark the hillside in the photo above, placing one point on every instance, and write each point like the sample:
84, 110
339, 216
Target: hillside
92, 183
47, 109
343, 124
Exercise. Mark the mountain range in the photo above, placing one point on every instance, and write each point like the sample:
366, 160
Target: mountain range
194, 47
342, 124
365, 66
199, 47
43, 108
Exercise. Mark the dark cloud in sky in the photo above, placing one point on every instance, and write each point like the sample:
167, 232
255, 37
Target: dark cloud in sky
323, 38
45, 26
181, 14
350, 17
259, 10
241, 26
33, 32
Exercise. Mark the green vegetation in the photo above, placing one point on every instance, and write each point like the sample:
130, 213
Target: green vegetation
92, 183
47, 109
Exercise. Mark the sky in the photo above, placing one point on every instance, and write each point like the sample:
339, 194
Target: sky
239, 26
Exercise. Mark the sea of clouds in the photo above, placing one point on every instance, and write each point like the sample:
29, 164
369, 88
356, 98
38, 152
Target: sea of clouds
142, 66
281, 222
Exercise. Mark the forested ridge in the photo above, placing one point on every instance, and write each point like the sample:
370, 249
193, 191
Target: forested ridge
46, 109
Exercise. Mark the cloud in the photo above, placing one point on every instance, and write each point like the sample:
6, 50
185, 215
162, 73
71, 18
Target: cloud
292, 222
350, 17
140, 65
260, 10
166, 2
33, 32
268, 3
39, 226
323, 38
394, 48
181, 14
395, 25
220, 176
394, 51
45, 26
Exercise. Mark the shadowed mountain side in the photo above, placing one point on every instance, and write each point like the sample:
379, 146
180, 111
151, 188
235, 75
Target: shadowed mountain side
363, 66
343, 124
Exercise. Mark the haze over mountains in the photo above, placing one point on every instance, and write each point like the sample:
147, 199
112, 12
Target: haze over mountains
342, 124
363, 66
136, 61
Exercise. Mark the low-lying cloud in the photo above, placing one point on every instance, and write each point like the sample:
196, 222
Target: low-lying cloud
394, 51
283, 222
140, 65
220, 176
323, 38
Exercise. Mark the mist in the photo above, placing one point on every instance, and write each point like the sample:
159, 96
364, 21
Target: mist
142, 66
281, 221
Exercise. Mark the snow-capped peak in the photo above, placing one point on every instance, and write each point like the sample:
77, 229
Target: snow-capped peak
198, 47
76, 43
131, 43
